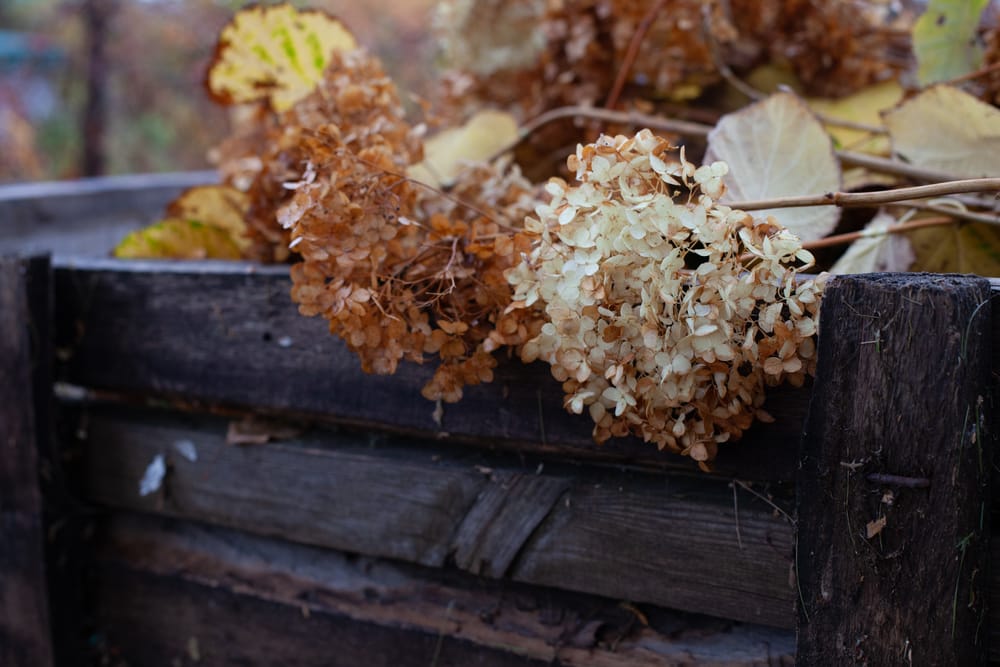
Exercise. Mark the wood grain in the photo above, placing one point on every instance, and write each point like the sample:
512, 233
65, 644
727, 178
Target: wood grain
25, 633
537, 624
669, 541
894, 572
228, 334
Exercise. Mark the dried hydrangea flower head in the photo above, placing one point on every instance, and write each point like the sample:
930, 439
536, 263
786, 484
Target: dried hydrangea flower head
657, 323
400, 270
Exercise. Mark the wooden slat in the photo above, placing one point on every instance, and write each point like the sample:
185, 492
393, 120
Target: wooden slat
227, 333
673, 542
502, 619
894, 485
25, 634
87, 216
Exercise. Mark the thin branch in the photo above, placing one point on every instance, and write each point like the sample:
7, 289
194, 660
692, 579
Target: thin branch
746, 487
972, 75
873, 198
694, 129
844, 239
893, 167
632, 52
944, 209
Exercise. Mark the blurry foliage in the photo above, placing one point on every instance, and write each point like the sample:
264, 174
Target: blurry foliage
158, 117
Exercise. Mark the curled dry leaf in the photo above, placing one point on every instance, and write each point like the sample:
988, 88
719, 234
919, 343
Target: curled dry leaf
276, 54
946, 129
777, 148
877, 251
178, 238
446, 152
945, 41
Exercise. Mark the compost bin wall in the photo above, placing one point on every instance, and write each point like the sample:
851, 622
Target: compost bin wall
354, 524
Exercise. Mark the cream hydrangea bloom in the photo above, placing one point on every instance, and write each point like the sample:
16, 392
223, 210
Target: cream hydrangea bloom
667, 313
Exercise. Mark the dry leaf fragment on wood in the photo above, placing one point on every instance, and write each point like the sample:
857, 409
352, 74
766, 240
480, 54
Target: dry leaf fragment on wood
875, 527
253, 430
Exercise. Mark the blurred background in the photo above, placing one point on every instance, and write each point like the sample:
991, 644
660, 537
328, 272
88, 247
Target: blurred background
94, 87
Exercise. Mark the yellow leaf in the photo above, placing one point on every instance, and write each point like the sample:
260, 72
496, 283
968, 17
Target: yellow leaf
945, 129
777, 148
177, 238
944, 40
219, 206
275, 53
876, 250
972, 247
864, 106
483, 135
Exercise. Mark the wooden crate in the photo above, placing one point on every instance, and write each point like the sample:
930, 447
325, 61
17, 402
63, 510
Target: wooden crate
369, 531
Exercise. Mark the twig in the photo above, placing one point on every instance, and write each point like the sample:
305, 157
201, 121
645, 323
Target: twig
841, 239
873, 198
972, 75
693, 129
894, 167
954, 212
760, 496
632, 52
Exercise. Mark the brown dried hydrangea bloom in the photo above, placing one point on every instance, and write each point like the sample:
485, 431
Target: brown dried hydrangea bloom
400, 270
657, 323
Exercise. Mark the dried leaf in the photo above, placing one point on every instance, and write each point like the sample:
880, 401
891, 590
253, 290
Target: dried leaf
483, 135
875, 527
177, 238
258, 431
877, 251
220, 206
777, 148
944, 40
864, 106
276, 54
943, 128
972, 247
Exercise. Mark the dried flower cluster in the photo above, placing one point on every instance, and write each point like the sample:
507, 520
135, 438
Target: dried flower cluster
400, 270
834, 48
656, 322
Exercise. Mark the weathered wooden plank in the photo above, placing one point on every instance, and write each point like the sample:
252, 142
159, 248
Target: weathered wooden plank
160, 621
227, 333
894, 486
674, 542
87, 216
25, 634
537, 624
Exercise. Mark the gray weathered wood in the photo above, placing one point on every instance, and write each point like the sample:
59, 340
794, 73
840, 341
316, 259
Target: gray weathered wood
893, 491
25, 634
538, 624
673, 542
86, 217
228, 333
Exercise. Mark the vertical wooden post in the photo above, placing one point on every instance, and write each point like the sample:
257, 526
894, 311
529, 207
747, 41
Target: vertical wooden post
893, 487
25, 635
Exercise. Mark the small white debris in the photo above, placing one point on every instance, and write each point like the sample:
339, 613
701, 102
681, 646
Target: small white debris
186, 449
438, 414
285, 341
152, 479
